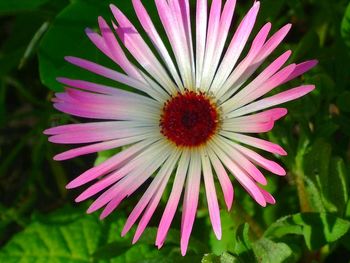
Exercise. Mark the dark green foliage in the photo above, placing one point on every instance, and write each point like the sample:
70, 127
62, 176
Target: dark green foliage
38, 220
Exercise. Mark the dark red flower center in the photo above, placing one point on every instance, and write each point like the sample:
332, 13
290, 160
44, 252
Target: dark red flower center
189, 119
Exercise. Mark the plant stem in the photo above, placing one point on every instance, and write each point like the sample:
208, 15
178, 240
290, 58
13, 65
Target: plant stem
298, 173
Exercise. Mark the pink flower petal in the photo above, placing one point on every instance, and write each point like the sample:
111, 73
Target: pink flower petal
228, 147
168, 169
156, 187
132, 181
102, 146
174, 198
116, 51
242, 177
148, 26
212, 34
177, 42
255, 142
274, 100
266, 78
201, 36
272, 43
159, 95
127, 171
140, 50
236, 46
243, 71
249, 127
301, 69
271, 166
190, 200
110, 164
224, 26
225, 182
213, 206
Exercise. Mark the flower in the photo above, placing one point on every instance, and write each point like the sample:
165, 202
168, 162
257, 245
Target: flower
185, 116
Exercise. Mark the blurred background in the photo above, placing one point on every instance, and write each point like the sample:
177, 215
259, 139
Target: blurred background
39, 220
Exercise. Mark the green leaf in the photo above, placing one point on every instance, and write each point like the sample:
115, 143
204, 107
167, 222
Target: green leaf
269, 251
66, 37
318, 229
120, 249
20, 5
345, 26
326, 178
308, 44
71, 241
316, 166
338, 190
243, 247
224, 258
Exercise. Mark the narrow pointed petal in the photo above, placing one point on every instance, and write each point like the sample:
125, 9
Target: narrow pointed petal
260, 80
110, 164
157, 186
117, 52
264, 116
212, 33
201, 36
94, 87
271, 166
94, 126
268, 197
301, 69
132, 181
213, 206
242, 72
102, 146
228, 147
181, 11
274, 100
156, 197
242, 177
272, 43
159, 95
174, 198
100, 135
225, 182
190, 200
177, 42
249, 127
255, 142
140, 50
236, 46
142, 161
150, 29
224, 27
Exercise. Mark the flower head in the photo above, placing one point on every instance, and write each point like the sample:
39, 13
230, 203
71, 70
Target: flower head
185, 116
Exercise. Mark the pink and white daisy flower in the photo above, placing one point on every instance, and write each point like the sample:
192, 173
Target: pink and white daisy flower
187, 115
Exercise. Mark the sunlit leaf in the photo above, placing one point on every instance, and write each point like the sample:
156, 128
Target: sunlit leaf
268, 251
345, 26
318, 229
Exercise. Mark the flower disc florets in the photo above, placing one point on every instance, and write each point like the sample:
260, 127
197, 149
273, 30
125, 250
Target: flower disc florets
189, 119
